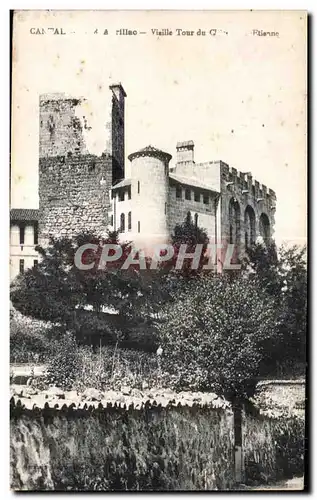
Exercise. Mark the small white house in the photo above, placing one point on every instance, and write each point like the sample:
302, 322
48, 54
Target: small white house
23, 240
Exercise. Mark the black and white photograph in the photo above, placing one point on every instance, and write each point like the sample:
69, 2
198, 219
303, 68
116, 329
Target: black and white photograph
158, 251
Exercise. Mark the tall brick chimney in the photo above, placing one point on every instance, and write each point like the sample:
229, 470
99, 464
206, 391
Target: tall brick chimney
185, 152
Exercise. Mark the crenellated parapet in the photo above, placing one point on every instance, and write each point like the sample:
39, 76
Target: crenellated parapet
244, 183
248, 207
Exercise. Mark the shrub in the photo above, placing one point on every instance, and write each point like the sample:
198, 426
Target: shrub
64, 365
28, 339
111, 367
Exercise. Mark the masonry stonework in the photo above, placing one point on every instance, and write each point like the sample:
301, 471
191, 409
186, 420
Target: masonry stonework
74, 195
76, 171
82, 183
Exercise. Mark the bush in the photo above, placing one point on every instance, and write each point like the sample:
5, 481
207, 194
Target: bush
111, 367
29, 341
64, 366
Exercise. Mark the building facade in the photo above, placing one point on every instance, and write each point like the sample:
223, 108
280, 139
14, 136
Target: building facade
83, 185
231, 206
23, 240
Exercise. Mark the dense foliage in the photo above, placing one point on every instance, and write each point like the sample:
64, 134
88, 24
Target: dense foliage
63, 366
214, 335
118, 299
217, 332
29, 339
282, 273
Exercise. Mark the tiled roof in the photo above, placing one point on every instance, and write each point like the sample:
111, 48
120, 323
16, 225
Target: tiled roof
24, 214
190, 181
150, 151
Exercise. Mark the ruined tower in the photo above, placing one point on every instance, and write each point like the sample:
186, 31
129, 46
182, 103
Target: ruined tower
79, 160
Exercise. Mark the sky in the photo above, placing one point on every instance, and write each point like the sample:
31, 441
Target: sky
240, 97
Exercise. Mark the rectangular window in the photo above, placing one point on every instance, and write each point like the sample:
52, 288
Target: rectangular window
138, 187
187, 194
35, 263
197, 196
22, 234
139, 226
206, 199
36, 234
129, 193
21, 266
121, 195
178, 192
122, 223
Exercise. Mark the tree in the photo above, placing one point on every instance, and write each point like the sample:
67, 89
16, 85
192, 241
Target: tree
214, 335
282, 272
58, 291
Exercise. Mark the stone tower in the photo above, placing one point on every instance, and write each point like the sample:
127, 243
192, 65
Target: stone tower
78, 163
149, 192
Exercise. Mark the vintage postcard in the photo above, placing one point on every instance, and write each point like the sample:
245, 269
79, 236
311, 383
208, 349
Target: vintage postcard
158, 296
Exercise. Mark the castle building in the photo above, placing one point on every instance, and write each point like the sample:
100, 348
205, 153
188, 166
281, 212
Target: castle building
229, 205
83, 185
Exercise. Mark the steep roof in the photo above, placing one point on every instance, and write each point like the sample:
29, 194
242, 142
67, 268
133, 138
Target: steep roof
24, 214
151, 151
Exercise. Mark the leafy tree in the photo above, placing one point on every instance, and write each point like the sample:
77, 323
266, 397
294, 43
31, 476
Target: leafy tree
215, 333
283, 274
190, 234
58, 291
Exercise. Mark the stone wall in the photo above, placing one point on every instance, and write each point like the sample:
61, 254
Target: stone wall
244, 192
179, 207
74, 194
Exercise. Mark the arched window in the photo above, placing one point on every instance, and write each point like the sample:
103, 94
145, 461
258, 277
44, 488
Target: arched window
129, 221
122, 223
264, 228
138, 187
230, 234
249, 225
234, 222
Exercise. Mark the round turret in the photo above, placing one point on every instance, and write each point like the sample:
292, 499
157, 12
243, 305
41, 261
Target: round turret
149, 190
